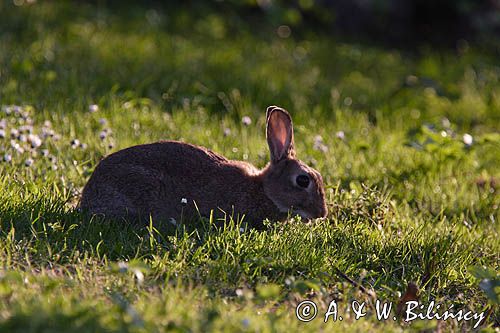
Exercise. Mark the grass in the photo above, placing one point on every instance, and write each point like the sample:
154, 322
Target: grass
411, 197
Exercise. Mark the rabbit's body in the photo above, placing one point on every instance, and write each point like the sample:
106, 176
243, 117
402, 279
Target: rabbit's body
153, 179
158, 176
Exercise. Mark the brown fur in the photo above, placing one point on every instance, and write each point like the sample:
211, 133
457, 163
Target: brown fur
152, 179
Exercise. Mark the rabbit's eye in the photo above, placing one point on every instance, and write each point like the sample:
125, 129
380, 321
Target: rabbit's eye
302, 181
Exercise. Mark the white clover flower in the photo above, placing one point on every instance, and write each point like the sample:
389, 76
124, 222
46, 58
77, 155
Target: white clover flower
26, 129
184, 201
319, 145
93, 108
2, 134
340, 135
318, 138
17, 109
75, 143
468, 139
28, 162
16, 146
7, 158
122, 267
14, 133
445, 122
246, 120
47, 132
34, 140
139, 276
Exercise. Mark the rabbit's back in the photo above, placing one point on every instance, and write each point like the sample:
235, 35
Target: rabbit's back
153, 179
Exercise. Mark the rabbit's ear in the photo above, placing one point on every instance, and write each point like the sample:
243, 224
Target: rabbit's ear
279, 133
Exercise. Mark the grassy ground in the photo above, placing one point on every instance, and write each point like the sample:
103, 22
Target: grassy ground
408, 145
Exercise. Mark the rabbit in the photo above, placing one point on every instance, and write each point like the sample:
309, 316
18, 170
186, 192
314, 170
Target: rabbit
170, 180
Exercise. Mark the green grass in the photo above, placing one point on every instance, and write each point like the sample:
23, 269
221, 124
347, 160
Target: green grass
409, 200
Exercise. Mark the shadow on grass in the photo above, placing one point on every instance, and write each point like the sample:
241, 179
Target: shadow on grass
51, 229
43, 234
84, 319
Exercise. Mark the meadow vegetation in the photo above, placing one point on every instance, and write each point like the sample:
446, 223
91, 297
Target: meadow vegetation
408, 143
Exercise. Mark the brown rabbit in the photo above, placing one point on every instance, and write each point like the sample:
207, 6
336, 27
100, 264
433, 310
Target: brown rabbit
169, 178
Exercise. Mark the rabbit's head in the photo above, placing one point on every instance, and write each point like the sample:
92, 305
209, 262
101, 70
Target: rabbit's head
288, 182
